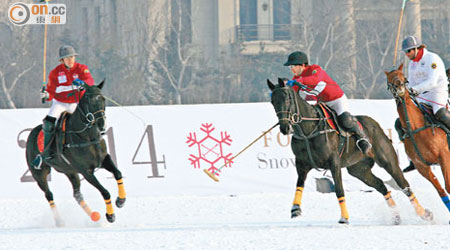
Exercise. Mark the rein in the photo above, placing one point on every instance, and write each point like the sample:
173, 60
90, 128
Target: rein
90, 119
409, 133
296, 118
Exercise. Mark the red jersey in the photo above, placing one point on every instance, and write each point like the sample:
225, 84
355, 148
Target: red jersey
60, 80
320, 85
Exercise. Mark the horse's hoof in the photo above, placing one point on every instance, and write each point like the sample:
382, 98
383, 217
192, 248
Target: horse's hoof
59, 223
120, 202
111, 217
343, 221
428, 215
296, 211
396, 220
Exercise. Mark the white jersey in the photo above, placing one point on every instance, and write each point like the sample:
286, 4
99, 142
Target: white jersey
428, 74
428, 77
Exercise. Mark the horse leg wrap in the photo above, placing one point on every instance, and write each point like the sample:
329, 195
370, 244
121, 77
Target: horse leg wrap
85, 207
58, 221
344, 212
122, 193
446, 201
109, 207
52, 204
389, 200
419, 209
110, 216
298, 196
79, 198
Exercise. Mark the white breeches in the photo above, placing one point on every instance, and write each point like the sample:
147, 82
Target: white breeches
58, 108
339, 105
435, 100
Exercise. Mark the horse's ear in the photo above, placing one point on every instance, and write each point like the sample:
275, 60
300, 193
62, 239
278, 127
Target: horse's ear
387, 73
270, 84
281, 82
100, 86
400, 67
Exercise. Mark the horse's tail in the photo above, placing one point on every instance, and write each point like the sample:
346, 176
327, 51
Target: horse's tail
32, 144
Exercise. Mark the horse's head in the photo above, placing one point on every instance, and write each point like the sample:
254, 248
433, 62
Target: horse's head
92, 106
397, 83
283, 100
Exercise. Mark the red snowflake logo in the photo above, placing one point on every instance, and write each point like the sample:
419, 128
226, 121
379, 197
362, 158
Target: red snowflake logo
210, 149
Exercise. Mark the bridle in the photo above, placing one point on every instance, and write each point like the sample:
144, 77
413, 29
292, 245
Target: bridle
394, 91
294, 117
90, 118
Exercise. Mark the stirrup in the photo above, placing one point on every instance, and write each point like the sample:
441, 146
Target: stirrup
37, 162
360, 149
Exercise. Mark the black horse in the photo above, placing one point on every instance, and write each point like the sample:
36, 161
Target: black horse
80, 149
316, 145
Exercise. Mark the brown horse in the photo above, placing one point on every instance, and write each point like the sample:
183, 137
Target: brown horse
424, 144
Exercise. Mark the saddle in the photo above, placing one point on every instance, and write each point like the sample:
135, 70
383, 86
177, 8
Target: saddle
430, 119
332, 119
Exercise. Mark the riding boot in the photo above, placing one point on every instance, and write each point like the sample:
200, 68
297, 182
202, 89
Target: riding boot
411, 167
350, 124
398, 127
48, 127
443, 116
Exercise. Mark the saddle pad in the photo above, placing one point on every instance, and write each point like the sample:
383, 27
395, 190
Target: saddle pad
330, 119
40, 141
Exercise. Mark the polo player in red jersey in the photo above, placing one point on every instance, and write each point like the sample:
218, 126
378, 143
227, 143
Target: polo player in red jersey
64, 89
313, 83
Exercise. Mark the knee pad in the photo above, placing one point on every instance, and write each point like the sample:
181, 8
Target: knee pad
347, 120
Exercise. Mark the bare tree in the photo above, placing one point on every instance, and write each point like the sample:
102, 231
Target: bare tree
16, 62
176, 56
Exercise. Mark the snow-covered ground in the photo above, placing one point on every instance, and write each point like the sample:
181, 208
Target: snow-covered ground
251, 221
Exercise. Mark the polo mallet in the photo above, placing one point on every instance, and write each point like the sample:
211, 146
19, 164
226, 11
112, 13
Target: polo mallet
44, 71
398, 32
213, 176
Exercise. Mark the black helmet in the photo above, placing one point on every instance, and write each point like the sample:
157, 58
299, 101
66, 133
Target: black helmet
66, 51
297, 58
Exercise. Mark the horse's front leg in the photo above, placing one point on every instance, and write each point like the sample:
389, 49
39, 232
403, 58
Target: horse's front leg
335, 168
109, 165
75, 180
302, 172
90, 177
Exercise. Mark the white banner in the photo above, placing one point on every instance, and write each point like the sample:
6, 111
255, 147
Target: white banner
168, 153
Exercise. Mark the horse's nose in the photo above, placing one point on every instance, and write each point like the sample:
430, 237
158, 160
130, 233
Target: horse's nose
285, 128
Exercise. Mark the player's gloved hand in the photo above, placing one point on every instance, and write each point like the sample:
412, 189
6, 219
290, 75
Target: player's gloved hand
79, 83
44, 95
290, 83
413, 92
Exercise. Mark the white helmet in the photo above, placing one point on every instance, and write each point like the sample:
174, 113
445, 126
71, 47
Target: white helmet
410, 42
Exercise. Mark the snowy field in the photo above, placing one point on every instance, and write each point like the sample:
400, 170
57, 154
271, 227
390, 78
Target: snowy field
250, 221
